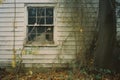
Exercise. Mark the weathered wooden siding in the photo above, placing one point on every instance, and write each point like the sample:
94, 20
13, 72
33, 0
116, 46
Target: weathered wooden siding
118, 20
67, 26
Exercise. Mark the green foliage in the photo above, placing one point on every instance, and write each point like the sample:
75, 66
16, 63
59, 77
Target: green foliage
105, 71
83, 71
70, 76
98, 77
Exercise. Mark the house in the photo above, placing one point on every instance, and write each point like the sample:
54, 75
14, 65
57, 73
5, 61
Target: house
46, 32
118, 20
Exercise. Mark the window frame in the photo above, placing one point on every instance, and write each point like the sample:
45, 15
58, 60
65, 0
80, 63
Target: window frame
54, 22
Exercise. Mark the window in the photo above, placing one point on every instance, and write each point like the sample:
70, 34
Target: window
40, 25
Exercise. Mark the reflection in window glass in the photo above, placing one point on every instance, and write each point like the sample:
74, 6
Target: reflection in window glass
31, 20
49, 11
49, 20
31, 12
37, 33
41, 21
41, 12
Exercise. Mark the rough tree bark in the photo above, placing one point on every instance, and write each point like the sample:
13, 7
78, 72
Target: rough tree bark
106, 34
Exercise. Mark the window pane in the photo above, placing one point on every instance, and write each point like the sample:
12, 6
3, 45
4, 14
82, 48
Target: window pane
41, 21
41, 29
49, 20
49, 29
31, 20
31, 33
31, 29
49, 11
40, 34
31, 37
49, 33
42, 16
49, 37
31, 11
40, 12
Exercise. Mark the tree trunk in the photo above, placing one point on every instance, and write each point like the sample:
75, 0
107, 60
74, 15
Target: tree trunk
106, 34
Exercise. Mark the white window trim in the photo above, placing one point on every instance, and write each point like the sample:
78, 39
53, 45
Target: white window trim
54, 24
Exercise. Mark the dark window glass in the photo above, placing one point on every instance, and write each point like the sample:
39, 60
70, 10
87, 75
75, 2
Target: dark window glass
49, 37
41, 21
49, 20
31, 33
49, 29
42, 16
35, 31
40, 12
40, 29
31, 20
31, 12
49, 11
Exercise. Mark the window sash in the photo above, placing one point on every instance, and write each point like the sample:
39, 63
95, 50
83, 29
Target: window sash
49, 35
45, 18
44, 33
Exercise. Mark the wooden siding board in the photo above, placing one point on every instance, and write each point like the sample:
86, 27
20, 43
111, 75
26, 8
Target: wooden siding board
11, 24
11, 33
11, 5
11, 19
9, 47
42, 52
11, 38
10, 29
12, 15
30, 1
10, 52
7, 10
11, 43
45, 61
45, 55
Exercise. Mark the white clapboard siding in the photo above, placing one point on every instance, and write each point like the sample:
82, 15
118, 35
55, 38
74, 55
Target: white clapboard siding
12, 15
69, 34
47, 56
5, 61
11, 38
10, 47
118, 20
11, 33
12, 24
6, 56
45, 61
78, 29
10, 43
66, 21
67, 15
10, 52
69, 24
39, 52
11, 5
47, 65
2, 10
118, 29
19, 19
11, 29
118, 24
30, 1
